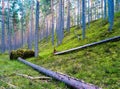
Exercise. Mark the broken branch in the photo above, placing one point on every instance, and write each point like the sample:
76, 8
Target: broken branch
34, 78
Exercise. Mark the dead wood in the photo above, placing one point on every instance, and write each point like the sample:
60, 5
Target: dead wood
34, 78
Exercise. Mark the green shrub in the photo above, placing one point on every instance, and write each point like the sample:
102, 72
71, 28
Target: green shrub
21, 53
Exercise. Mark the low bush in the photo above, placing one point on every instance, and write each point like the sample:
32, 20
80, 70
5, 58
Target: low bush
23, 53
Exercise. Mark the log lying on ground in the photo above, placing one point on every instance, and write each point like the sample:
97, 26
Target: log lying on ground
23, 53
72, 82
88, 45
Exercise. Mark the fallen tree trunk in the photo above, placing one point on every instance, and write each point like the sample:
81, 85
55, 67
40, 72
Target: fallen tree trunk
74, 83
88, 45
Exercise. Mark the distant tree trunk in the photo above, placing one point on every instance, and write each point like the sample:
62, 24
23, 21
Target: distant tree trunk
47, 30
75, 16
15, 31
105, 9
27, 33
88, 13
78, 13
60, 20
97, 4
111, 13
52, 22
36, 29
83, 19
102, 8
32, 32
31, 24
117, 5
3, 29
68, 17
91, 14
22, 30
95, 11
9, 30
63, 14
57, 24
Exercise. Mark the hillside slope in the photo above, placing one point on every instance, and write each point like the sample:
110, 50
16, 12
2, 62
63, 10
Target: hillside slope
99, 65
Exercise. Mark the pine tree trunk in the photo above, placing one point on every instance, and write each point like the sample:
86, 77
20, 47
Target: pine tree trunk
105, 9
78, 13
68, 17
9, 31
31, 24
36, 29
111, 13
52, 22
22, 32
3, 29
83, 19
91, 15
63, 14
102, 8
88, 13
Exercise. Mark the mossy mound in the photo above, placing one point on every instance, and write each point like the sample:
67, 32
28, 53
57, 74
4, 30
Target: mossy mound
23, 53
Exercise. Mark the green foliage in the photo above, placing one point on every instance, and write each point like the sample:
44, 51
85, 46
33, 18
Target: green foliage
14, 9
45, 6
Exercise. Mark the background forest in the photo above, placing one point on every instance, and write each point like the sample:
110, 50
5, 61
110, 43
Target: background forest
52, 26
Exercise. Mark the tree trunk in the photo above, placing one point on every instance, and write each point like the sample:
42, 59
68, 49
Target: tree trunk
102, 8
22, 32
31, 24
9, 31
111, 13
88, 13
78, 13
63, 14
68, 17
91, 15
105, 10
36, 29
83, 19
52, 22
3, 29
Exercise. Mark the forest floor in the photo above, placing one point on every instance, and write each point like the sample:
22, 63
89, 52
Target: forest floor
10, 79
99, 65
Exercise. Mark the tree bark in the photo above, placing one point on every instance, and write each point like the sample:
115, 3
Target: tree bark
3, 29
83, 19
36, 29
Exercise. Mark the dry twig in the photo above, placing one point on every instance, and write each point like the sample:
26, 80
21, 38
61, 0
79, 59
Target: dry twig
10, 85
34, 78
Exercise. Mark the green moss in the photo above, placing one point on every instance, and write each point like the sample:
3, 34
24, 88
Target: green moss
23, 53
